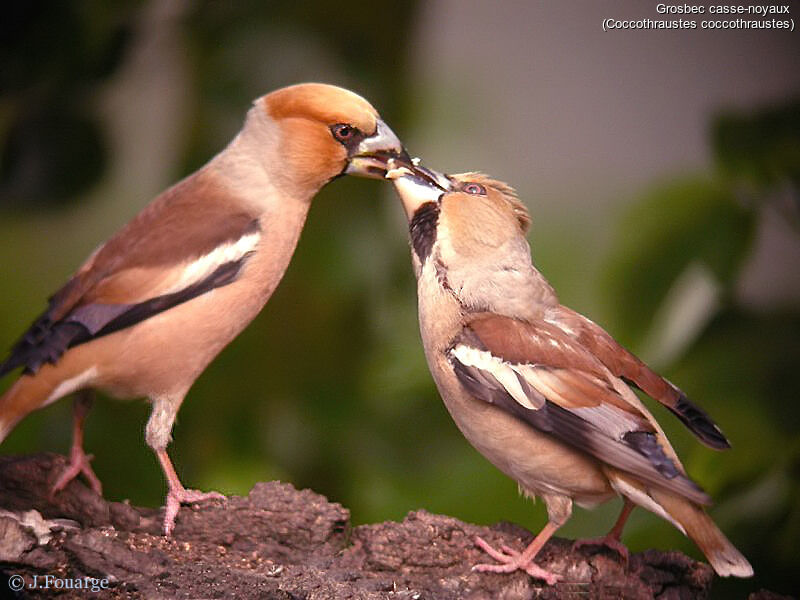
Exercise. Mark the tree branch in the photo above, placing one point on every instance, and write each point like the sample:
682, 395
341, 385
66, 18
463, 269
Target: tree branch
278, 542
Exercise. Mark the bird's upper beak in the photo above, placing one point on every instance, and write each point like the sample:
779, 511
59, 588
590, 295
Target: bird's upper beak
417, 185
370, 157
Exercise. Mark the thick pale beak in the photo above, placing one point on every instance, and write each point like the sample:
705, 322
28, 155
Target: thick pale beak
371, 155
417, 185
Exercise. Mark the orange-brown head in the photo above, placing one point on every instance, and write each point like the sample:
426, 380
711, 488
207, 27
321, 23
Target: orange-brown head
327, 131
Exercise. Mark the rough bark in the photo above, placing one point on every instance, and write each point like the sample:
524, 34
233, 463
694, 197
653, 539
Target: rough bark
281, 543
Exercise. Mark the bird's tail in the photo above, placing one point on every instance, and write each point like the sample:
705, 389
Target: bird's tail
28, 393
719, 551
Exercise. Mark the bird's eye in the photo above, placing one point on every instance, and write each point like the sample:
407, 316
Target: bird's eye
476, 189
343, 132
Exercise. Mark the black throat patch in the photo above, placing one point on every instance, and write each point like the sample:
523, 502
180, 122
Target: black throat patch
423, 229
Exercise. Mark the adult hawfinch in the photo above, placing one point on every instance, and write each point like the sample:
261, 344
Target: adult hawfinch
537, 388
150, 308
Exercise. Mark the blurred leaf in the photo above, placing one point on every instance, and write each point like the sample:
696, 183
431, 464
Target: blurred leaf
762, 148
659, 236
52, 146
50, 156
742, 371
744, 364
57, 45
50, 46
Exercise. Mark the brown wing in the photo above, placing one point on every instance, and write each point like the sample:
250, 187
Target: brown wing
542, 376
140, 270
627, 366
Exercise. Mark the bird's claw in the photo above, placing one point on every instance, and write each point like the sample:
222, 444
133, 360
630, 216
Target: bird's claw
607, 541
176, 497
79, 463
511, 560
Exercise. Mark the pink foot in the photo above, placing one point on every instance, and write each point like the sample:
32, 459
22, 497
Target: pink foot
176, 497
79, 463
511, 561
608, 541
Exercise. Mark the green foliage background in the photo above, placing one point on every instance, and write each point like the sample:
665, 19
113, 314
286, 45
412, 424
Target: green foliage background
328, 387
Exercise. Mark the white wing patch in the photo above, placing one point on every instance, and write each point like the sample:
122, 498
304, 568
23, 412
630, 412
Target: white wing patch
507, 374
202, 267
610, 419
545, 382
643, 499
70, 385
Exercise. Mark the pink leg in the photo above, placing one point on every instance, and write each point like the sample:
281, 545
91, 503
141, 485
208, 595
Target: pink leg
511, 560
612, 538
79, 461
178, 494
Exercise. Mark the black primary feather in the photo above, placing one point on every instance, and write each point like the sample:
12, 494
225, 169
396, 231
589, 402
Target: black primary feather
636, 456
46, 342
647, 444
696, 420
700, 423
484, 386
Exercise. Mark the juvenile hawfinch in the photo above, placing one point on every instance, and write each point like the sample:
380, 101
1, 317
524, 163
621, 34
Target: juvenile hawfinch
150, 308
537, 388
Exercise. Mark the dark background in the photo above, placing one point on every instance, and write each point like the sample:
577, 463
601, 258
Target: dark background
661, 168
